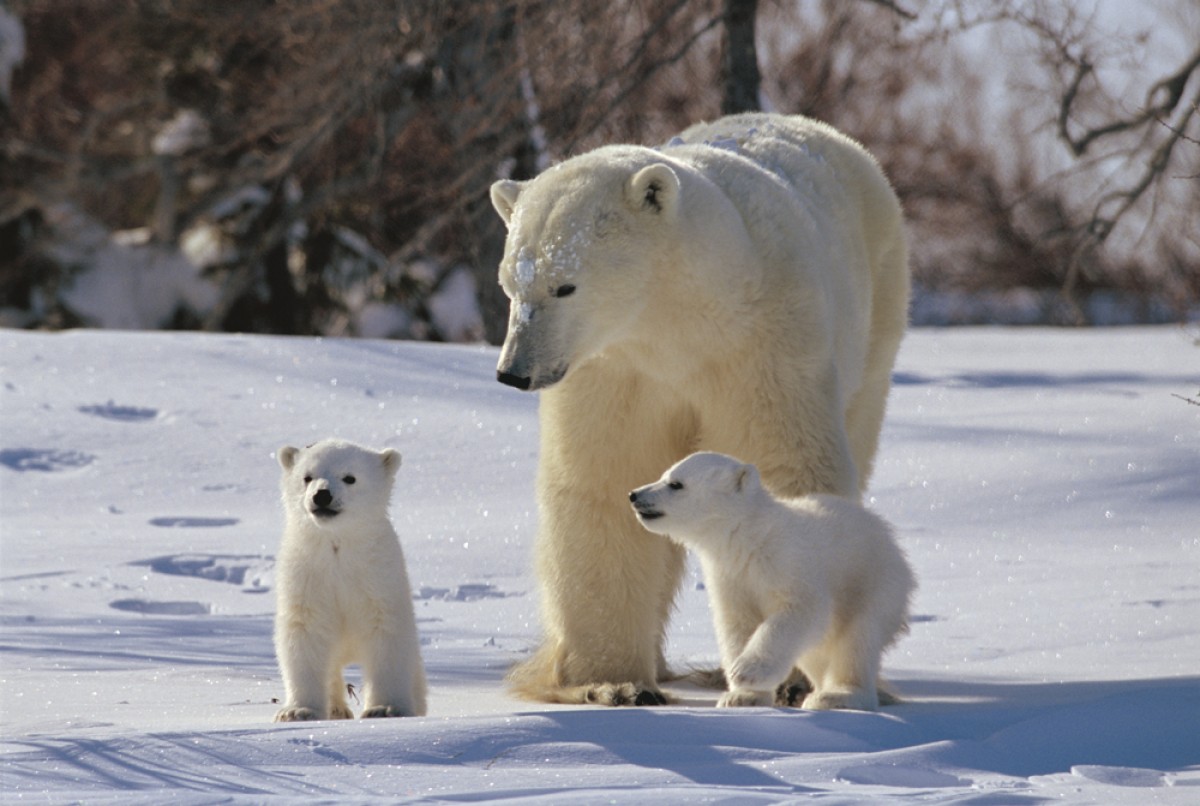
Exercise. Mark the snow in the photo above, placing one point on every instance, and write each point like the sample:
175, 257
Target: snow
183, 133
122, 280
1044, 484
525, 271
454, 307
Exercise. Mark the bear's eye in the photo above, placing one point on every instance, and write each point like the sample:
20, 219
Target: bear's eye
349, 479
675, 485
308, 479
564, 290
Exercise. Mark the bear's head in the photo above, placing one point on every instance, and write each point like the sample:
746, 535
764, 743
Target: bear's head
583, 241
333, 484
698, 498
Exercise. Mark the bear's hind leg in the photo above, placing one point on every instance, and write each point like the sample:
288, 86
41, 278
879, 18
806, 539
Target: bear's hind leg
851, 659
889, 319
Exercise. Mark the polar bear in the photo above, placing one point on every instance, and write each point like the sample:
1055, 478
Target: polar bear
816, 582
742, 289
342, 590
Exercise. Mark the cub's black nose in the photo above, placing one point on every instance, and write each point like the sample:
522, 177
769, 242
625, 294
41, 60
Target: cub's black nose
633, 496
508, 379
323, 498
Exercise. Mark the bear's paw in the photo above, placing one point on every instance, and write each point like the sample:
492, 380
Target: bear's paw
856, 700
791, 692
296, 714
382, 711
756, 673
618, 694
744, 698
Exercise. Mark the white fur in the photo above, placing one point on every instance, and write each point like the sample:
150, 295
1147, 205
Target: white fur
816, 582
342, 590
743, 289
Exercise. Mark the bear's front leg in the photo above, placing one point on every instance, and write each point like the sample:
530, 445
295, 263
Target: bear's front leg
304, 658
604, 630
607, 585
771, 653
394, 676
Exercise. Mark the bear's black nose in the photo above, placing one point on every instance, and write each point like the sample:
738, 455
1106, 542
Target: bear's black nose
633, 496
323, 498
508, 379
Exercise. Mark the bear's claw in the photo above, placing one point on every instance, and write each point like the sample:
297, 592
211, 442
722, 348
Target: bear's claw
618, 694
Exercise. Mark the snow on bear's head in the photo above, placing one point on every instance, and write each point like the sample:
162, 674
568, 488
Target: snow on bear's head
699, 496
576, 266
332, 484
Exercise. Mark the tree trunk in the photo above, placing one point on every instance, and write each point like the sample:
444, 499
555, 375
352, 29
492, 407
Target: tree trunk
740, 63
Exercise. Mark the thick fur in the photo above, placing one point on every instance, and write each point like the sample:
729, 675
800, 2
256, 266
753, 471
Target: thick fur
816, 582
342, 587
743, 289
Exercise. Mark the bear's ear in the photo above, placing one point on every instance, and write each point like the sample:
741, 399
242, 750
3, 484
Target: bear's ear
655, 187
504, 197
391, 460
287, 456
745, 476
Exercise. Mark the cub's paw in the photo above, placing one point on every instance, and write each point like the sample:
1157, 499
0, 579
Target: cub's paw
841, 701
380, 711
744, 698
617, 694
791, 692
753, 673
296, 714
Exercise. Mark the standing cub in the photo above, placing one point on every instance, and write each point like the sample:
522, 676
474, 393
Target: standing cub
816, 582
342, 587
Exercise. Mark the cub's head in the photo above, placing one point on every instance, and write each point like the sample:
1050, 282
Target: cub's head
333, 483
702, 495
583, 239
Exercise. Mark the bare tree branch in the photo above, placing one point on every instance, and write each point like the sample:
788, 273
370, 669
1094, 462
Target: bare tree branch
1171, 88
891, 5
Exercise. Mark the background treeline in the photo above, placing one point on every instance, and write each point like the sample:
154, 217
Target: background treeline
322, 166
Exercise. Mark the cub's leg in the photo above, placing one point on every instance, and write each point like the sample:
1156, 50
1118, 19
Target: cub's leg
339, 707
392, 687
736, 621
851, 659
304, 659
772, 650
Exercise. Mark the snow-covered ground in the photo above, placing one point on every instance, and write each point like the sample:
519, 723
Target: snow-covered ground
1046, 485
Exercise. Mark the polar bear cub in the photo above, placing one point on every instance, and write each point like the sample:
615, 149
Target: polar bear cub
342, 593
816, 582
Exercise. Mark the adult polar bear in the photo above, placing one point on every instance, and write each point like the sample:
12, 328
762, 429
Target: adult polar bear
744, 290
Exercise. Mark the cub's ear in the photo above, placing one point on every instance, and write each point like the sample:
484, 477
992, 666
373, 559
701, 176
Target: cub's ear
654, 188
504, 197
287, 456
745, 476
391, 460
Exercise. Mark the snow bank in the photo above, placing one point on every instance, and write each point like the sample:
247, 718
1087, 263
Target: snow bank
1044, 484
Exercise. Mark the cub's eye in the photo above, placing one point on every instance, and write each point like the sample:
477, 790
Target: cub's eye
564, 290
349, 479
308, 479
675, 485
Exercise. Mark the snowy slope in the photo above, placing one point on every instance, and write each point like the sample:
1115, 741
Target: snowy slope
1046, 485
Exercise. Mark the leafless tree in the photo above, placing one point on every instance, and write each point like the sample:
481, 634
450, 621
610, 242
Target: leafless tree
388, 121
